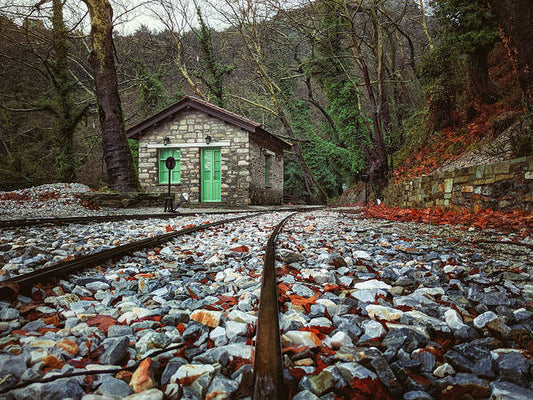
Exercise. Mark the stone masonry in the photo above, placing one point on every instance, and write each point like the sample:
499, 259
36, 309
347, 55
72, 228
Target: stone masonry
242, 159
500, 186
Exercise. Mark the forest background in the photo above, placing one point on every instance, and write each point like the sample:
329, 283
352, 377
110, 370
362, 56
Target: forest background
375, 90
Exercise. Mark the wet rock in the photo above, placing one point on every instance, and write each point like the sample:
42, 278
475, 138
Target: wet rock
303, 338
417, 395
463, 385
509, 391
289, 256
373, 329
142, 379
113, 387
471, 358
404, 338
322, 383
444, 370
221, 387
115, 350
453, 319
151, 394
483, 319
376, 311
513, 367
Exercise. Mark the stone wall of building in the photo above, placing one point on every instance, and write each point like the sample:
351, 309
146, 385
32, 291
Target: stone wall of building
260, 193
186, 130
501, 186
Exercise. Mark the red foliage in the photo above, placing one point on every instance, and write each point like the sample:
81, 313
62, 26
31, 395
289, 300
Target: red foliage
448, 144
504, 221
240, 249
14, 197
103, 322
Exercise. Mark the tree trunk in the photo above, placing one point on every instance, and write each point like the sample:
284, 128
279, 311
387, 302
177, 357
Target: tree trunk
514, 19
481, 86
117, 156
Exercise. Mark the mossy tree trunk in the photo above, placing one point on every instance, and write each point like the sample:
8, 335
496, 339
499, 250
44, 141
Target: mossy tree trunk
117, 156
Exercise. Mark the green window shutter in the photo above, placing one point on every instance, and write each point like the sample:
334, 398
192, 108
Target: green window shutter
163, 154
267, 170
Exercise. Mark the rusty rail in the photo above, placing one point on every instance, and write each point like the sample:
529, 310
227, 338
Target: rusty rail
268, 363
9, 287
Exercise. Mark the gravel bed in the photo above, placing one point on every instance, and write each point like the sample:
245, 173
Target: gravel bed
368, 308
374, 307
201, 291
23, 250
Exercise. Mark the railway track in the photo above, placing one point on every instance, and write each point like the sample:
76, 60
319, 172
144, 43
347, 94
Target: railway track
29, 222
325, 312
268, 369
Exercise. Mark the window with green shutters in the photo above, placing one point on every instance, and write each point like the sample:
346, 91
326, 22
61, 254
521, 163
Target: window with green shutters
163, 170
268, 160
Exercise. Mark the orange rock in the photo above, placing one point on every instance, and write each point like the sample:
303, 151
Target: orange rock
207, 317
124, 376
52, 362
69, 346
141, 379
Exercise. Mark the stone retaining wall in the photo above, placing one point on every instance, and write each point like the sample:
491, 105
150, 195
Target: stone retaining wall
501, 186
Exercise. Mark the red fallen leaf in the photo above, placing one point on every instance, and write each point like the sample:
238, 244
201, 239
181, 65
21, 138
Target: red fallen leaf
88, 379
188, 226
52, 362
42, 331
331, 287
293, 349
103, 322
367, 389
283, 288
181, 328
191, 293
297, 373
474, 271
303, 301
320, 365
19, 332
168, 228
240, 249
237, 363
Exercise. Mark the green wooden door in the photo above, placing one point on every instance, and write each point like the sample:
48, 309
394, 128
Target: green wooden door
210, 172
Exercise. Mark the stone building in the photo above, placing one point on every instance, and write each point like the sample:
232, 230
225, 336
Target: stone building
221, 157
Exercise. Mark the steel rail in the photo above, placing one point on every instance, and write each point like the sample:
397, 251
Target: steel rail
8, 287
268, 363
15, 223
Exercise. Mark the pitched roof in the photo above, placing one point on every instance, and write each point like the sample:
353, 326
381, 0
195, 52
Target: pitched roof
189, 102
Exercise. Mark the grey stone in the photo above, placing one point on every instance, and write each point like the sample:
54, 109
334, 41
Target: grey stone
12, 365
404, 338
8, 314
171, 368
113, 387
464, 384
289, 256
468, 357
509, 391
513, 366
417, 395
221, 387
305, 395
115, 350
150, 394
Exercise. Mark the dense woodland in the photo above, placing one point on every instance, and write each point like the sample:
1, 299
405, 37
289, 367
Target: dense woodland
365, 89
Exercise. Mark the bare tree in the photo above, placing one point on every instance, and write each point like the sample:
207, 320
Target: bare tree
119, 161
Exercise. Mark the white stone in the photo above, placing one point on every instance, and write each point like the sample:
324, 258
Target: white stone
362, 255
372, 284
382, 312
453, 319
150, 394
444, 370
340, 339
373, 329
303, 338
240, 316
234, 328
218, 336
483, 319
191, 371
320, 321
352, 370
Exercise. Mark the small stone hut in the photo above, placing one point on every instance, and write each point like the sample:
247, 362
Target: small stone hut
221, 157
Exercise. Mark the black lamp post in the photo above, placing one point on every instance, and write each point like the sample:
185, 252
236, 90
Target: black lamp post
170, 163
